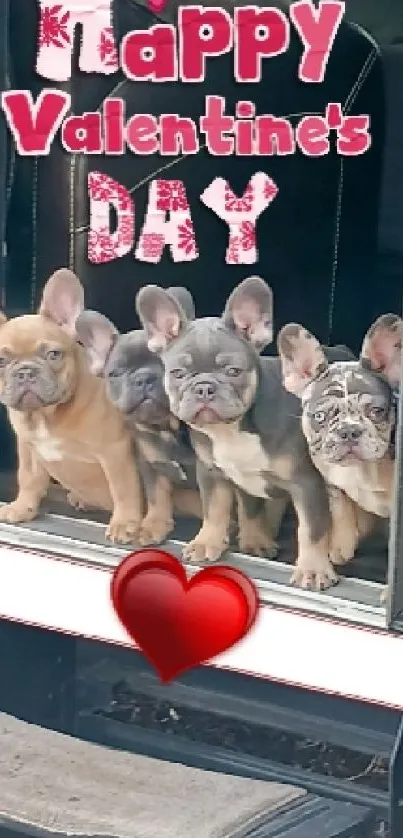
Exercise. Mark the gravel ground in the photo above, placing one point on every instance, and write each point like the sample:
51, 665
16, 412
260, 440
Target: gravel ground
263, 742
136, 708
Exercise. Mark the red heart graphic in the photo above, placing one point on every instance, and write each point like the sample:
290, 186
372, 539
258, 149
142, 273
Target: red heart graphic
156, 5
177, 622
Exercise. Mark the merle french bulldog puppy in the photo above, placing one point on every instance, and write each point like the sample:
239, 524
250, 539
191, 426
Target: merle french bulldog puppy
348, 409
244, 423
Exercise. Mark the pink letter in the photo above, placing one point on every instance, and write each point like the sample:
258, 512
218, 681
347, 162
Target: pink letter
104, 246
258, 33
34, 126
240, 214
317, 28
334, 115
353, 137
312, 136
274, 135
244, 129
167, 196
150, 55
114, 111
141, 134
57, 23
202, 32
214, 125
178, 135
82, 134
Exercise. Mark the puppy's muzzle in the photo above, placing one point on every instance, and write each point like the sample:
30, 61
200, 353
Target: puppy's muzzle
142, 394
26, 374
349, 433
144, 383
25, 386
205, 391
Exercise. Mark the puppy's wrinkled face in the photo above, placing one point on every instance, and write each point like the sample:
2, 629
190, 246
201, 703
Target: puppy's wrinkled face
348, 411
348, 414
38, 353
211, 364
134, 375
135, 381
37, 364
210, 374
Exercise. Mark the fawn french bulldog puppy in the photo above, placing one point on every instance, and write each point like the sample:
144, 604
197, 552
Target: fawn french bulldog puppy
234, 399
67, 429
135, 383
348, 411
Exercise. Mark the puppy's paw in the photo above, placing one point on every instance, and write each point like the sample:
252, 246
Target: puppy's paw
74, 501
314, 573
343, 545
154, 530
17, 512
344, 535
122, 530
257, 543
207, 546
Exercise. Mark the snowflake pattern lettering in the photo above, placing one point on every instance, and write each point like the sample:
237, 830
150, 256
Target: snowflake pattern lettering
52, 27
168, 221
107, 49
57, 22
104, 246
241, 214
167, 196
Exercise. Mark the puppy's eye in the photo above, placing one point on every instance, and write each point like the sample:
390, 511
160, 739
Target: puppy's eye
178, 374
233, 372
3, 361
54, 354
376, 413
113, 374
319, 416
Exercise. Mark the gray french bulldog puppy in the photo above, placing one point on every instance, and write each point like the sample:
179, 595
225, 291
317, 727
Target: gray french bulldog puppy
134, 383
243, 421
348, 409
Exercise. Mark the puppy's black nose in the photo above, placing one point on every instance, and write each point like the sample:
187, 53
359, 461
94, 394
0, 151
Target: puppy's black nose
26, 373
349, 432
205, 390
145, 379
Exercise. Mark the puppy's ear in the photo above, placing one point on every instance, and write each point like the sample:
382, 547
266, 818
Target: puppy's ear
161, 315
185, 300
63, 299
302, 357
98, 336
382, 347
249, 311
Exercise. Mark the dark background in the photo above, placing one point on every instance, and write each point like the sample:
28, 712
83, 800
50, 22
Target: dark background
295, 234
